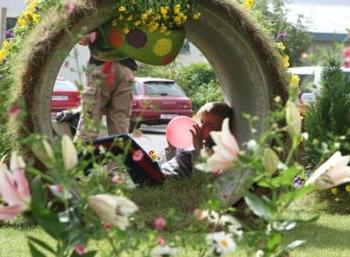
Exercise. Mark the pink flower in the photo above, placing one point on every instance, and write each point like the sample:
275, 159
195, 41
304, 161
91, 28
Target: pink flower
92, 37
69, 7
116, 179
159, 223
226, 149
137, 155
14, 111
160, 240
79, 249
14, 188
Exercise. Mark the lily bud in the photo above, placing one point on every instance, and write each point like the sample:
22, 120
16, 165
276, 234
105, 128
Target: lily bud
69, 153
293, 119
270, 161
43, 152
112, 209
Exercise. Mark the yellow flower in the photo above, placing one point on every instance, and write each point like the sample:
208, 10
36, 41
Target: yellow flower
163, 29
334, 190
137, 23
285, 61
121, 17
153, 27
122, 8
126, 30
164, 10
281, 46
21, 22
196, 16
6, 45
177, 20
130, 17
36, 18
294, 80
248, 4
347, 188
32, 5
144, 16
2, 54
177, 8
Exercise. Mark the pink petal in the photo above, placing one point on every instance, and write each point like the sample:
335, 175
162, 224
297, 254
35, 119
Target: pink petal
79, 249
137, 155
8, 188
22, 184
92, 37
14, 111
7, 213
69, 7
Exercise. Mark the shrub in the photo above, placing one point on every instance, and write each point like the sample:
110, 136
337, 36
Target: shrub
328, 121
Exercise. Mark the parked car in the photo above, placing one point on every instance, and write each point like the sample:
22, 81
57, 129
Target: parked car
156, 101
310, 81
65, 95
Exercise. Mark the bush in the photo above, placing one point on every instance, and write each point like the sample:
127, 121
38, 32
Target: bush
200, 84
328, 121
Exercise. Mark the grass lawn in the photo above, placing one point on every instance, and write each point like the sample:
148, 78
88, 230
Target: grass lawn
327, 237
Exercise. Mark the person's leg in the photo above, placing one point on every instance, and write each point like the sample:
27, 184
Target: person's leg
119, 111
93, 99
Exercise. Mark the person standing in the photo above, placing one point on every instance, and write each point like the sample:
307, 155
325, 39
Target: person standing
108, 90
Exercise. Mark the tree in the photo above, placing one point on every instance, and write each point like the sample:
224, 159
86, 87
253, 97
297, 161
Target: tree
272, 15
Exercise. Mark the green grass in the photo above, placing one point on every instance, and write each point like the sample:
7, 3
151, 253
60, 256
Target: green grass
329, 236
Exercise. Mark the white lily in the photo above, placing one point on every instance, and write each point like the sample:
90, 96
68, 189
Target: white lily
69, 153
112, 209
226, 149
333, 172
221, 243
160, 251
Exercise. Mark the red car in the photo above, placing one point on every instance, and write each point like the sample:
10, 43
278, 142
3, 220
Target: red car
65, 95
156, 101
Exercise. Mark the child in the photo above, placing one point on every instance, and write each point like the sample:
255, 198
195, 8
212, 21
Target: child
179, 162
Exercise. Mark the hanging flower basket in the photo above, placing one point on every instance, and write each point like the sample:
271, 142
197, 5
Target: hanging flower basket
155, 48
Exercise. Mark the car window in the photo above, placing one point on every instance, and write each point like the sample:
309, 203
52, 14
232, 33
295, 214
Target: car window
137, 88
163, 88
64, 86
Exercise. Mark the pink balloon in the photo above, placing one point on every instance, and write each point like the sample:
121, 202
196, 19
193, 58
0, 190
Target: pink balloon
178, 131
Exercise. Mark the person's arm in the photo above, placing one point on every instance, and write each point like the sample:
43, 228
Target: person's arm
197, 138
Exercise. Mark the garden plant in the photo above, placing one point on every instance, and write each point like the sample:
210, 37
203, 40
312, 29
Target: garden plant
87, 210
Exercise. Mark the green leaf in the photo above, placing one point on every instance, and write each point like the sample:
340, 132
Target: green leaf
34, 251
45, 217
88, 254
258, 206
273, 241
41, 243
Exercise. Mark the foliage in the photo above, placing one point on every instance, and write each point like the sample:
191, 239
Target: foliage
200, 83
327, 122
272, 15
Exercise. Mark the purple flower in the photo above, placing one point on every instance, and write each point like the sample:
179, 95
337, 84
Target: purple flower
281, 36
298, 182
9, 34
